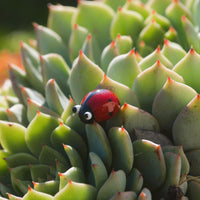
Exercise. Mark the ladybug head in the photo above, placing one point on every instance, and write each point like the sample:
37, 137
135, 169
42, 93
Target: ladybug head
84, 113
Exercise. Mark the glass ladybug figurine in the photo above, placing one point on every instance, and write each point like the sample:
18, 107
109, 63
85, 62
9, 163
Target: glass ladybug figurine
98, 105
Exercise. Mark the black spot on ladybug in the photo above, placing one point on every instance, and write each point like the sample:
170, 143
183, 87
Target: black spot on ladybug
110, 113
109, 99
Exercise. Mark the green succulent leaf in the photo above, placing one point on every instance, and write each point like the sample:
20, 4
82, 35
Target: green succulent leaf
12, 137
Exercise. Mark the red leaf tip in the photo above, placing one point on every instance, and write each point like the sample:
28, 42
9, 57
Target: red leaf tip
143, 195
122, 128
61, 124
29, 188
171, 29
198, 96
70, 181
80, 53
183, 18
158, 62
153, 12
118, 36
153, 21
142, 43
38, 112
119, 9
34, 183
158, 49
89, 37
112, 44
124, 106
176, 1
169, 79
166, 42
75, 26
192, 51
132, 52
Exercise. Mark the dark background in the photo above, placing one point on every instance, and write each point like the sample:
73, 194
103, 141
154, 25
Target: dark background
19, 14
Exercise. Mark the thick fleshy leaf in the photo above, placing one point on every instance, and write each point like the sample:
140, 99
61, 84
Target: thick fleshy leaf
18, 159
74, 157
168, 103
124, 68
129, 114
78, 191
98, 173
124, 43
49, 156
74, 174
55, 67
132, 18
17, 113
152, 34
33, 195
77, 38
152, 58
173, 51
108, 53
48, 41
149, 83
63, 134
96, 133
34, 107
79, 82
59, 20
96, 17
153, 170
134, 181
115, 4
186, 128
55, 98
12, 137
48, 187
189, 69
31, 63
122, 149
139, 7
124, 93
91, 49
174, 12
125, 196
39, 132
116, 182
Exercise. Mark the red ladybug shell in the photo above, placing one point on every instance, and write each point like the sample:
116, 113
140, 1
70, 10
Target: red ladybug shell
102, 103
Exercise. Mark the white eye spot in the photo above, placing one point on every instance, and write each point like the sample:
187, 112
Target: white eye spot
88, 115
76, 109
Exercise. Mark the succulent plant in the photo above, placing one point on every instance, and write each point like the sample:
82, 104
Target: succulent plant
148, 54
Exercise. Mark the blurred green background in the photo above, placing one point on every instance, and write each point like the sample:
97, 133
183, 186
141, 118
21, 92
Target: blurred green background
17, 16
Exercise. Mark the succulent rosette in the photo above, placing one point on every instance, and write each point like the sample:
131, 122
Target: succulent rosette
144, 51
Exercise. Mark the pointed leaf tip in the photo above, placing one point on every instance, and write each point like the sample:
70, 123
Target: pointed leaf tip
153, 12
132, 52
61, 124
119, 9
183, 18
171, 29
89, 37
75, 26
124, 106
191, 51
153, 21
70, 181
118, 36
176, 1
166, 42
29, 188
198, 96
80, 53
112, 44
158, 49
158, 63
